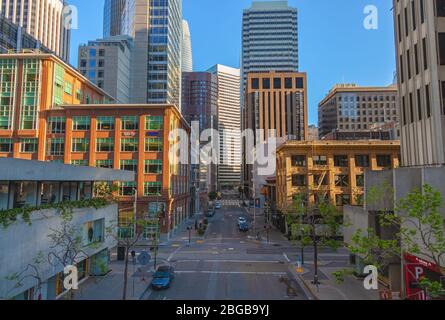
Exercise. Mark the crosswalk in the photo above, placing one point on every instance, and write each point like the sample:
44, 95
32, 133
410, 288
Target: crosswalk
230, 202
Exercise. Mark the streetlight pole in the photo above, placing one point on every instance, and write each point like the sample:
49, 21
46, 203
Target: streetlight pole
314, 236
301, 231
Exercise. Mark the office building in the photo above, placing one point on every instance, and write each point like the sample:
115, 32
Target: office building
229, 126
46, 20
269, 38
42, 184
275, 106
200, 108
350, 108
330, 170
60, 125
420, 54
187, 53
107, 63
114, 11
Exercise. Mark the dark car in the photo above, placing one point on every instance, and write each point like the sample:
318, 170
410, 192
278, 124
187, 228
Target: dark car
210, 213
244, 227
163, 278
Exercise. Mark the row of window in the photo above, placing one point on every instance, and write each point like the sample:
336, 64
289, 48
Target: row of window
150, 189
277, 83
150, 166
383, 160
300, 180
104, 123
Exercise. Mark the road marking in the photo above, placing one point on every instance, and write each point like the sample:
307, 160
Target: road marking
200, 241
176, 245
229, 261
232, 272
286, 257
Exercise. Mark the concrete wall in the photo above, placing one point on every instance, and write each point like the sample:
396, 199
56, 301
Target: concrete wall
355, 218
20, 244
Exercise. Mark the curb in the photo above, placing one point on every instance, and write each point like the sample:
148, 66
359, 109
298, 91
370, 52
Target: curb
308, 292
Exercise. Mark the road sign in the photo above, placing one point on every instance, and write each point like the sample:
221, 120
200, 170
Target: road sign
144, 258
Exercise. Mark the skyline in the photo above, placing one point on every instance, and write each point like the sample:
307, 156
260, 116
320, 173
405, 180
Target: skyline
367, 59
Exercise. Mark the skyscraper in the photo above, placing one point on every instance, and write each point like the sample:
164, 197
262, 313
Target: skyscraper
420, 54
46, 20
269, 38
187, 56
229, 126
113, 17
156, 28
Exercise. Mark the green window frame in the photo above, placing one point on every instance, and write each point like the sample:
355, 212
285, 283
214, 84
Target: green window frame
79, 95
105, 123
56, 125
152, 188
154, 122
129, 165
80, 145
107, 164
8, 83
28, 145
30, 94
68, 88
56, 146
127, 189
59, 83
154, 144
5, 145
129, 123
129, 144
83, 163
81, 123
153, 166
104, 145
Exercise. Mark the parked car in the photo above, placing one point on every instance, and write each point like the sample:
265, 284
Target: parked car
210, 212
242, 220
218, 205
243, 227
163, 278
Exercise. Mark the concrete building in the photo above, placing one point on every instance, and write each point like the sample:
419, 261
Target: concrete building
269, 38
330, 170
348, 107
200, 109
48, 21
275, 107
107, 63
312, 134
156, 29
396, 277
420, 54
187, 53
229, 126
41, 185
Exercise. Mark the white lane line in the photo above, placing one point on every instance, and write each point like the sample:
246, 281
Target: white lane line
286, 257
173, 254
232, 272
228, 261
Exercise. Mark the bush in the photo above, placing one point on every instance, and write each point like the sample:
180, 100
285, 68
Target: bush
201, 232
206, 221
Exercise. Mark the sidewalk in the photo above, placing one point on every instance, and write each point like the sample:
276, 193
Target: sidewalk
351, 289
110, 287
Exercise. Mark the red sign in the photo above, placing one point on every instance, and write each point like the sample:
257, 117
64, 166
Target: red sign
415, 268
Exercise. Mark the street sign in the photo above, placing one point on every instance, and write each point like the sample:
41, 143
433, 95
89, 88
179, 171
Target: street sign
144, 258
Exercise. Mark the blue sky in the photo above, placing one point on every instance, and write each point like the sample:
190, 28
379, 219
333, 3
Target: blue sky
334, 46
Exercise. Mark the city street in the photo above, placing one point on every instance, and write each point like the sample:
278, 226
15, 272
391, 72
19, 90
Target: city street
229, 264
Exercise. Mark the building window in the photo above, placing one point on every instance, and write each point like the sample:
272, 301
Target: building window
127, 189
129, 165
440, 8
277, 83
266, 83
153, 144
342, 200
104, 144
129, 145
362, 161
299, 83
341, 161
5, 145
93, 232
360, 180
299, 180
79, 163
154, 122
299, 161
153, 166
68, 88
255, 84
106, 164
28, 145
81, 123
342, 180
320, 180
152, 188
105, 123
320, 160
288, 83
80, 145
129, 123
56, 125
56, 146
384, 161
